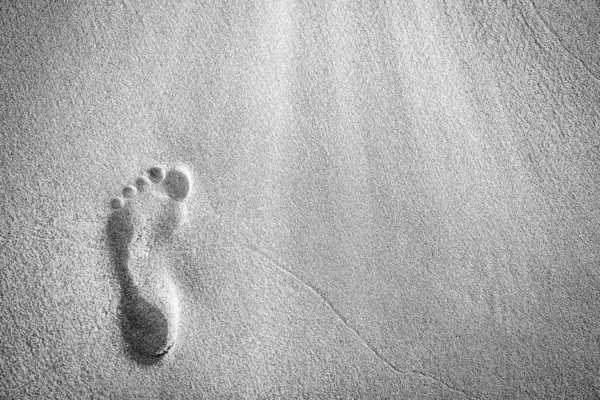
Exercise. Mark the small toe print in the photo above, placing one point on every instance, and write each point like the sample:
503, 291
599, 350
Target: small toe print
117, 203
156, 174
129, 191
142, 183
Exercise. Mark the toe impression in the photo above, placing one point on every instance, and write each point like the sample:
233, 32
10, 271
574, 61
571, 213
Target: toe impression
178, 183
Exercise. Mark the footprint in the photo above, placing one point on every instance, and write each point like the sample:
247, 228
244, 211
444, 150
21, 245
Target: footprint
139, 230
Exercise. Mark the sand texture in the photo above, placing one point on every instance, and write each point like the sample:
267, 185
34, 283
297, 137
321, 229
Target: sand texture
300, 200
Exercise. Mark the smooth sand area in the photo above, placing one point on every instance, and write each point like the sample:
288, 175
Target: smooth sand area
285, 200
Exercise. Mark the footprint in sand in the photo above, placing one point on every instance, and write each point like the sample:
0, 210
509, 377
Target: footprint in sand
139, 230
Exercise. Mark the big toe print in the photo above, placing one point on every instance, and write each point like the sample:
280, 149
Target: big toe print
140, 227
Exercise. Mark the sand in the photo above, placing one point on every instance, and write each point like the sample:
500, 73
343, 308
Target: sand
382, 200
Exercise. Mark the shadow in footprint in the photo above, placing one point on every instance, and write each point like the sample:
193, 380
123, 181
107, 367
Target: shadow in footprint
144, 327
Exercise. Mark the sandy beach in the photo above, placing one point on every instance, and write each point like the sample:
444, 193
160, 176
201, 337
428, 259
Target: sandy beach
300, 200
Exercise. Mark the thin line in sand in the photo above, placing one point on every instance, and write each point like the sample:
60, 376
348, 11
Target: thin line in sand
254, 250
560, 42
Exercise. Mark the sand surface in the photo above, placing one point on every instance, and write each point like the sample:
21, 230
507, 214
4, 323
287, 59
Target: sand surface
389, 201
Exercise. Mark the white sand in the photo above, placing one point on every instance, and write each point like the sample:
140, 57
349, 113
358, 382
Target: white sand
388, 201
